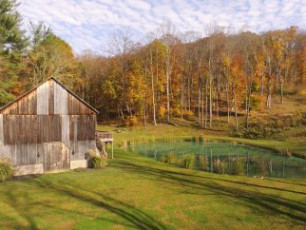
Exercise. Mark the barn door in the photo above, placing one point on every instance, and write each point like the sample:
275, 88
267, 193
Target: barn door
56, 157
55, 151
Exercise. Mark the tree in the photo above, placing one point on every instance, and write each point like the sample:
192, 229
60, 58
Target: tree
50, 56
251, 48
12, 38
169, 40
151, 59
12, 45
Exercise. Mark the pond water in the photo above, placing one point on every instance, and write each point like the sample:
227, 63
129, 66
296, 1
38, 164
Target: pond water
222, 157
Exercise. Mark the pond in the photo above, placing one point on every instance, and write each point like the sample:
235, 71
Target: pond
223, 157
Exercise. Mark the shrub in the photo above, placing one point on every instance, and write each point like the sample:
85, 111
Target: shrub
201, 139
270, 125
188, 161
253, 103
176, 112
237, 167
121, 123
257, 130
172, 158
203, 160
262, 167
133, 121
218, 166
162, 112
123, 145
164, 159
188, 114
96, 161
6, 170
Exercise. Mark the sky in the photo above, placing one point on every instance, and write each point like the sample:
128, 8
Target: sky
92, 24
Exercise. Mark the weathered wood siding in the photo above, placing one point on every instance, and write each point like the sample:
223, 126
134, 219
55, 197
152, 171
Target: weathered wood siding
76, 107
49, 129
23, 135
56, 157
1, 137
20, 129
85, 127
60, 100
48, 99
82, 135
43, 94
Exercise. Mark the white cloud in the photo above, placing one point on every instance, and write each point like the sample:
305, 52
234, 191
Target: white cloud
89, 24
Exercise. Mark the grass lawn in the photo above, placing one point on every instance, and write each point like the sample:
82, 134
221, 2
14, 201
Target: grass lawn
135, 192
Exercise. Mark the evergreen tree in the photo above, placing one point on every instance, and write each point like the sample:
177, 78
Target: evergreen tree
12, 45
12, 38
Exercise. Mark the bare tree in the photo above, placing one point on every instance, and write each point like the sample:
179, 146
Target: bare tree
169, 39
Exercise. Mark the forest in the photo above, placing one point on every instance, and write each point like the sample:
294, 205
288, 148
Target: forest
217, 78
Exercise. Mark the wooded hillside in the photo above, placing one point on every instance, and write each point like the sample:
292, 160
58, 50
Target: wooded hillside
198, 78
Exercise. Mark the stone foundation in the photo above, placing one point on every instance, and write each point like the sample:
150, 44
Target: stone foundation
28, 169
22, 170
78, 164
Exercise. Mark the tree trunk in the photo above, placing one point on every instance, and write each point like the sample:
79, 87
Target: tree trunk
281, 90
269, 86
199, 99
168, 83
218, 97
210, 102
227, 102
182, 95
261, 85
145, 115
236, 115
202, 107
153, 91
206, 102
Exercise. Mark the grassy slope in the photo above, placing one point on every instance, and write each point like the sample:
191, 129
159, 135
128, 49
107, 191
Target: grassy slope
287, 141
292, 140
137, 192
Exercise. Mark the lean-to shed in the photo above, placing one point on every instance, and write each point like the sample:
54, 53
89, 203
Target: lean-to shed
48, 129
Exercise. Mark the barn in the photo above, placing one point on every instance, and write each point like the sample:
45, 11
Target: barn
48, 129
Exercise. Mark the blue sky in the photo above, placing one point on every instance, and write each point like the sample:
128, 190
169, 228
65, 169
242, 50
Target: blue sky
91, 24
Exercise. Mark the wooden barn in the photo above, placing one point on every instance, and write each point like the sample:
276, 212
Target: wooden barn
48, 129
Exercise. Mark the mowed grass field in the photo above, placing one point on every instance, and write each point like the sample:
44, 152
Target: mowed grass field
135, 192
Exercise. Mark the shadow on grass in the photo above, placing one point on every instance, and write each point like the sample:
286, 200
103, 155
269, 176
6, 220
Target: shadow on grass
262, 202
123, 165
133, 216
130, 217
12, 201
125, 215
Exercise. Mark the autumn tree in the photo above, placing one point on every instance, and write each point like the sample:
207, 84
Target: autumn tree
50, 56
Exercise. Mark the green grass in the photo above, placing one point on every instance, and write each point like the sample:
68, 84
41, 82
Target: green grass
135, 192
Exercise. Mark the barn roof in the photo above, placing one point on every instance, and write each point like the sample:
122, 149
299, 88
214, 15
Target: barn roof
58, 82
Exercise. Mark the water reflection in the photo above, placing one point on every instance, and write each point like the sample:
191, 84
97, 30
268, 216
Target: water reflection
225, 158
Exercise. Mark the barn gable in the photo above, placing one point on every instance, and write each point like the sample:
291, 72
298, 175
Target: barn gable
49, 98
